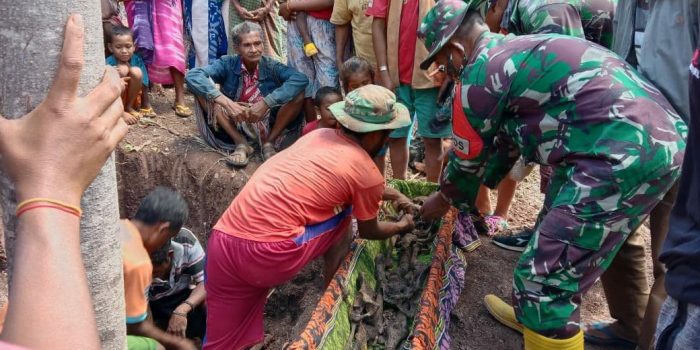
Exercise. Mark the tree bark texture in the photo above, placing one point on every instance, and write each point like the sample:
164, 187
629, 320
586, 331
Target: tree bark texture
31, 36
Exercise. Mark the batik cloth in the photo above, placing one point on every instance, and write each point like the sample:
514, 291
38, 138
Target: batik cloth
205, 32
321, 69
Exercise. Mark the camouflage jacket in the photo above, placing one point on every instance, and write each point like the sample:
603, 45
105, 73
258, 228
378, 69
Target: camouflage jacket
560, 101
590, 19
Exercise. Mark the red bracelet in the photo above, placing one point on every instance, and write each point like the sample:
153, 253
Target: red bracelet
27, 208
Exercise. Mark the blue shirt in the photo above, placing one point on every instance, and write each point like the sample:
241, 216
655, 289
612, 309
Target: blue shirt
278, 83
136, 61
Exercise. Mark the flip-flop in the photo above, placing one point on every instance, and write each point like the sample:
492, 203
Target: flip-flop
182, 110
599, 333
243, 150
148, 112
268, 150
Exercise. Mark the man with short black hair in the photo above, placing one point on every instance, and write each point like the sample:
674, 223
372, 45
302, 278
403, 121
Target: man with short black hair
160, 217
176, 296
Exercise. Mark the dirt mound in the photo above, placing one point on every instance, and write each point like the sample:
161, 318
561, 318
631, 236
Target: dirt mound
167, 151
289, 308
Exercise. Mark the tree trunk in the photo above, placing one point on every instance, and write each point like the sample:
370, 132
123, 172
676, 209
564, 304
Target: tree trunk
31, 35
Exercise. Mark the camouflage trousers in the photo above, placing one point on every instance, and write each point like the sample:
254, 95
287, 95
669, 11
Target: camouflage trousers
582, 226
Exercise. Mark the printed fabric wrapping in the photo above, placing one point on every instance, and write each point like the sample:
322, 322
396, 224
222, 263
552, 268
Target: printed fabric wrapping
330, 326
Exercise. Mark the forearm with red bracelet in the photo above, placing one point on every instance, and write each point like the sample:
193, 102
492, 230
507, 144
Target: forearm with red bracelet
36, 203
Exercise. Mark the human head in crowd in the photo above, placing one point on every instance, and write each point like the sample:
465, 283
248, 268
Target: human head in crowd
451, 53
369, 114
357, 72
247, 39
160, 217
121, 43
162, 259
325, 97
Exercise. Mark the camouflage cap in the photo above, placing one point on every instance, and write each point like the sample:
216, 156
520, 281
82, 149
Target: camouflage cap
370, 108
441, 22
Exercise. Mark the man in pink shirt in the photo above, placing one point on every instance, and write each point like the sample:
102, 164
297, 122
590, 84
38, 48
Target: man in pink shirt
297, 207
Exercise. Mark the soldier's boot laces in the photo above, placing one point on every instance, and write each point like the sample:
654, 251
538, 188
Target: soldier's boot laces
534, 341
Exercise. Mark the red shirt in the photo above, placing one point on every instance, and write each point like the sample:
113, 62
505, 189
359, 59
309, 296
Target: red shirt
408, 28
321, 174
321, 14
309, 127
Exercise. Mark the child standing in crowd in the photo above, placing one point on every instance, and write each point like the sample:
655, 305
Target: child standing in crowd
130, 65
356, 73
394, 27
158, 27
325, 97
321, 69
351, 24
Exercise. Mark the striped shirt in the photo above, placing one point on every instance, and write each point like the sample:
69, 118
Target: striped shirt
187, 268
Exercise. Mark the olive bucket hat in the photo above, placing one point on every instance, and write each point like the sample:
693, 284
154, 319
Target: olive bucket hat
441, 23
371, 108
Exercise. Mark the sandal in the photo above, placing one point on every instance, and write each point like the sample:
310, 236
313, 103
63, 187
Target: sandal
495, 224
268, 150
148, 112
601, 333
242, 150
182, 110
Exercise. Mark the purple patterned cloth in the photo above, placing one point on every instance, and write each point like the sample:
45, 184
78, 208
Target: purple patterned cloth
465, 234
139, 14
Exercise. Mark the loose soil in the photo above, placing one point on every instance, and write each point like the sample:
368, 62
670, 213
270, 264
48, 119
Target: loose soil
170, 154
167, 152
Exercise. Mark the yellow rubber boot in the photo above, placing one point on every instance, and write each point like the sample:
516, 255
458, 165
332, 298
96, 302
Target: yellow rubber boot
502, 312
535, 341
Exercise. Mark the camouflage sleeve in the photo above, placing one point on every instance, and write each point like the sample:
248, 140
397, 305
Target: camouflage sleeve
531, 17
461, 179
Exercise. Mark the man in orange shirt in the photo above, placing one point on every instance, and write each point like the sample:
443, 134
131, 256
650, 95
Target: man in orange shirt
295, 208
158, 219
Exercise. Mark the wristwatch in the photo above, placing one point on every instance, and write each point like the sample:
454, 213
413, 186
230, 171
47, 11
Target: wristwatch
383, 68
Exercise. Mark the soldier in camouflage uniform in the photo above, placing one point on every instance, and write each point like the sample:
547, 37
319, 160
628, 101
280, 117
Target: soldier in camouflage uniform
589, 19
615, 143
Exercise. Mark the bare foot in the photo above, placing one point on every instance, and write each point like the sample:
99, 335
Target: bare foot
129, 118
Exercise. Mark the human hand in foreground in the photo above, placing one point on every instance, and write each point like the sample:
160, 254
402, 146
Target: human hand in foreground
59, 147
434, 207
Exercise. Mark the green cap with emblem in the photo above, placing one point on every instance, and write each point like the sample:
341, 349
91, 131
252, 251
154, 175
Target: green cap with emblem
441, 22
371, 108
